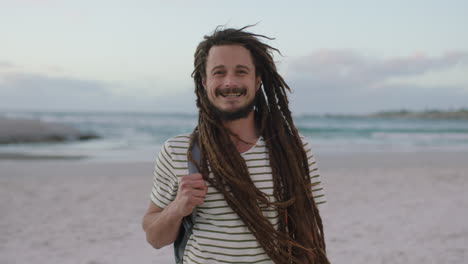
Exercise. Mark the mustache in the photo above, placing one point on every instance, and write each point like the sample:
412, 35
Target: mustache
224, 91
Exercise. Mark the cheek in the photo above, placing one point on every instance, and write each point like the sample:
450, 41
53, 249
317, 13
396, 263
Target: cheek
209, 93
211, 87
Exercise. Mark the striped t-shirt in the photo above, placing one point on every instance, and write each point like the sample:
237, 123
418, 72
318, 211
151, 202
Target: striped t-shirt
219, 235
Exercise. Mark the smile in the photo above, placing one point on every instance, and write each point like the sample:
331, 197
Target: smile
231, 92
231, 95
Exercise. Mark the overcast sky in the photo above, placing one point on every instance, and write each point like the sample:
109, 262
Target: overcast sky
339, 57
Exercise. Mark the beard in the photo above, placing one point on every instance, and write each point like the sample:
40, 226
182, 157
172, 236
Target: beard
223, 115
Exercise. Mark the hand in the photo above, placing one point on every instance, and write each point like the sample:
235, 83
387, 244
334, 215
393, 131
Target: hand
192, 191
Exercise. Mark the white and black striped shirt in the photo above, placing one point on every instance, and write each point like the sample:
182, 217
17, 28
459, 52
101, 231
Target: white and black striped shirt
219, 235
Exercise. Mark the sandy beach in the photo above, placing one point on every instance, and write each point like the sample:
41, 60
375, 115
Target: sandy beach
382, 208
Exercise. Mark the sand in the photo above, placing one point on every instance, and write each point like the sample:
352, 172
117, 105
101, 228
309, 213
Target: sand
382, 208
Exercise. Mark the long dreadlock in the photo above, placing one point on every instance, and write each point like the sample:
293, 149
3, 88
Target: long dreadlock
299, 237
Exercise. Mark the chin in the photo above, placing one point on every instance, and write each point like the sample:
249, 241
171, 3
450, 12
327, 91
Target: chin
233, 114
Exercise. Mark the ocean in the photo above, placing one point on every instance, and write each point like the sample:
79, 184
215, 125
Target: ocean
139, 136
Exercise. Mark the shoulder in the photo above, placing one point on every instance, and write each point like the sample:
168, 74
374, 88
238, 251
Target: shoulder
175, 148
180, 142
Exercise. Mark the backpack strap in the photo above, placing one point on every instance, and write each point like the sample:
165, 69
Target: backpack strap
185, 230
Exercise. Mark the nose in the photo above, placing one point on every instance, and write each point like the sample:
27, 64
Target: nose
230, 81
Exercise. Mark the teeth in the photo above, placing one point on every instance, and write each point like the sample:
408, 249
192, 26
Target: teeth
231, 95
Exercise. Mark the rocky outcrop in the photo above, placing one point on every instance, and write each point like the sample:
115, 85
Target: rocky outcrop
28, 131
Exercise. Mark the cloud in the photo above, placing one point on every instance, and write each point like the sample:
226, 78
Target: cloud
327, 81
343, 81
34, 91
6, 64
24, 90
350, 101
39, 86
344, 69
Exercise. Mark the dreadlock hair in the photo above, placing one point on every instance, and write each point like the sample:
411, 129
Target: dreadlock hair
299, 237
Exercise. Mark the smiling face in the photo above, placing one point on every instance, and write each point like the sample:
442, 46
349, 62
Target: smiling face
231, 82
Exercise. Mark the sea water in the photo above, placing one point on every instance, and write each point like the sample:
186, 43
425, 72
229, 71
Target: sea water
139, 136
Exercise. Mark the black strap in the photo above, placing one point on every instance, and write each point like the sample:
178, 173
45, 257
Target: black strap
186, 227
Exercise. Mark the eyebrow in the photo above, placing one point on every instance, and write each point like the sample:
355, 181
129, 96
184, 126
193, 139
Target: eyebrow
243, 67
217, 68
223, 67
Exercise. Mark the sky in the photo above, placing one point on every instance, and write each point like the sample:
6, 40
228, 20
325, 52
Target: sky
343, 57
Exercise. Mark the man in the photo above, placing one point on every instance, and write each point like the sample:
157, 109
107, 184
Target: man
257, 191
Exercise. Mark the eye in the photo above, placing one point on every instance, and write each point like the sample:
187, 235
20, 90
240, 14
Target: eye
242, 72
218, 72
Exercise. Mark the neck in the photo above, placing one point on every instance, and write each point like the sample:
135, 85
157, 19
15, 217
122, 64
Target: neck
245, 129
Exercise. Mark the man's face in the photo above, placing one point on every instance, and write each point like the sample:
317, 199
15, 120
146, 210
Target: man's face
230, 81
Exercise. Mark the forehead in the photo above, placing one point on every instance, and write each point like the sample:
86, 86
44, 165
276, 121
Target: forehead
229, 55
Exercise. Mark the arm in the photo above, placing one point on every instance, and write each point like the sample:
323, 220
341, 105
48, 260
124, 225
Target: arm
162, 225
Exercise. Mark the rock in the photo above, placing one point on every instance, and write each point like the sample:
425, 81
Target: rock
28, 131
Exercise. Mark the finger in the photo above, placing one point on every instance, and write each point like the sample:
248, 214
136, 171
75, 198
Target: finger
198, 193
190, 194
185, 186
189, 178
197, 184
193, 176
191, 201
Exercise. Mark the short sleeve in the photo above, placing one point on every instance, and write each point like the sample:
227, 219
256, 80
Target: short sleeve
165, 182
315, 178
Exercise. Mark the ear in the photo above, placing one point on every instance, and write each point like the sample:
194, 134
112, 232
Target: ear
258, 82
203, 81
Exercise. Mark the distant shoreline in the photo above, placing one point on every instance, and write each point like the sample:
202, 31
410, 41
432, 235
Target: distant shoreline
461, 114
27, 156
